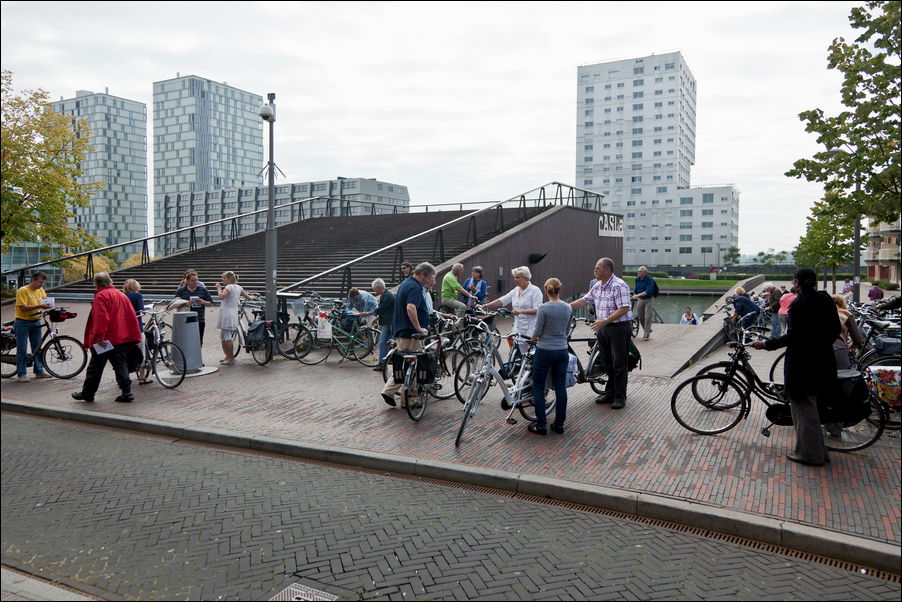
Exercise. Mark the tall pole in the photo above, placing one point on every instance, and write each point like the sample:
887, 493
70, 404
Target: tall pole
856, 253
271, 236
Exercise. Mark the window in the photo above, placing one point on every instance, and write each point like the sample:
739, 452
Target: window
668, 66
637, 131
637, 143
685, 200
637, 119
685, 212
637, 178
637, 155
587, 182
588, 124
685, 238
638, 82
635, 191
588, 147
590, 88
590, 101
685, 225
587, 159
638, 70
637, 94
707, 224
708, 198
707, 212
707, 237
685, 250
707, 249
638, 107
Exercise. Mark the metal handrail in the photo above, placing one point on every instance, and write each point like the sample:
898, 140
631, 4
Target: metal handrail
521, 198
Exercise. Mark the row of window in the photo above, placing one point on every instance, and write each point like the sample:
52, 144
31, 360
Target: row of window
682, 250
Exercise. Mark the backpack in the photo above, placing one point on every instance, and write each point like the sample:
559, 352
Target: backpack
655, 290
634, 358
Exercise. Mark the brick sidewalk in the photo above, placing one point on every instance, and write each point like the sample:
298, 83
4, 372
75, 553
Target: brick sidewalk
640, 448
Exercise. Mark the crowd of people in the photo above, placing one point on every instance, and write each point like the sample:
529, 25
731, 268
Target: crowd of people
816, 329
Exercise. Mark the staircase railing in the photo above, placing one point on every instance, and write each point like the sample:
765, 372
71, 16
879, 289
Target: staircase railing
563, 194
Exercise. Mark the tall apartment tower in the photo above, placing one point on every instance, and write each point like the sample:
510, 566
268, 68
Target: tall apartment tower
118, 211
207, 136
635, 144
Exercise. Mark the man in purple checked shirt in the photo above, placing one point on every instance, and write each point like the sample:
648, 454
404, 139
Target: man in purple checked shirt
611, 298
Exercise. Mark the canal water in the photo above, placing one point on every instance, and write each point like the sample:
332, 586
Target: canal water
670, 307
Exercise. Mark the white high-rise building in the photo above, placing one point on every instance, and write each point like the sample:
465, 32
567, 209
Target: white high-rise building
635, 144
207, 136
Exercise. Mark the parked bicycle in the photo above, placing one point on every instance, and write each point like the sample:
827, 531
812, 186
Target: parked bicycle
162, 358
720, 397
63, 356
518, 397
255, 335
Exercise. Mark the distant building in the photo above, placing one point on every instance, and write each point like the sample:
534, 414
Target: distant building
118, 212
636, 145
882, 255
207, 136
360, 196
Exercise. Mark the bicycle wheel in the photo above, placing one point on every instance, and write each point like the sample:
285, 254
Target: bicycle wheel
262, 351
873, 358
527, 407
465, 375
477, 392
169, 365
708, 404
312, 349
64, 357
776, 369
634, 327
236, 342
8, 358
416, 403
362, 345
861, 434
725, 369
447, 369
890, 406
599, 380
286, 340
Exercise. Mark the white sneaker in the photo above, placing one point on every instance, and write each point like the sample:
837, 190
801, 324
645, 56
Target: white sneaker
24, 379
42, 375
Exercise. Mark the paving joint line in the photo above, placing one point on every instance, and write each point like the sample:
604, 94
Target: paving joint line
868, 554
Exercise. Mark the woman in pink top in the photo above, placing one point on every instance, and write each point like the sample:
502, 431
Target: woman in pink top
785, 301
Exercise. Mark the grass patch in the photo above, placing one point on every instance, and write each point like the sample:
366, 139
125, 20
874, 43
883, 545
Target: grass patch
688, 283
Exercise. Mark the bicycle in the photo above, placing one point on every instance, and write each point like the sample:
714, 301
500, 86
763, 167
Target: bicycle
449, 358
63, 356
425, 373
713, 402
518, 398
508, 369
635, 323
260, 345
162, 358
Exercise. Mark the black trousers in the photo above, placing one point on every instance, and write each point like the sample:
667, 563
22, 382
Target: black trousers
118, 356
614, 341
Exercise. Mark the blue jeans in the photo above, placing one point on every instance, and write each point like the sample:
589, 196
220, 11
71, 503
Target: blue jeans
775, 327
383, 343
28, 330
556, 362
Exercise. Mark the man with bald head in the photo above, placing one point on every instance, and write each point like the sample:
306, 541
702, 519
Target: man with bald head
611, 298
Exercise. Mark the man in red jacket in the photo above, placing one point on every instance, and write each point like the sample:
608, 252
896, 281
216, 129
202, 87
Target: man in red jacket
110, 331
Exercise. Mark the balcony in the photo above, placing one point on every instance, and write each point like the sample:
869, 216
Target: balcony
871, 256
890, 229
888, 253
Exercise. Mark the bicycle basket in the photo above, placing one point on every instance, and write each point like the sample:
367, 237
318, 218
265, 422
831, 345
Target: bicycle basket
887, 345
60, 315
151, 336
850, 404
427, 367
8, 341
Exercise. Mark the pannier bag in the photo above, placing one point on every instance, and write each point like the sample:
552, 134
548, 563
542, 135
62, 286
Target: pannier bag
256, 332
851, 403
427, 367
572, 371
397, 365
888, 345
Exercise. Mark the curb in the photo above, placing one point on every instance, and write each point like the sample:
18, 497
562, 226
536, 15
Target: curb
805, 538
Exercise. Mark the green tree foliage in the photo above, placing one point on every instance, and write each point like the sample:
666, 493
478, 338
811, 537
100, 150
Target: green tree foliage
867, 133
731, 257
41, 153
828, 239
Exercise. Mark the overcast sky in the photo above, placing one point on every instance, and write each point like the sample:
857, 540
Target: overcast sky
462, 102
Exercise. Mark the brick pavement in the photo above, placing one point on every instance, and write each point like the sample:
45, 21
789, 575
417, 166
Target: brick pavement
639, 449
133, 516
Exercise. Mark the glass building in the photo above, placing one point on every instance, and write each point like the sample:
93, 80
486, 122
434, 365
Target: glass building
118, 211
207, 136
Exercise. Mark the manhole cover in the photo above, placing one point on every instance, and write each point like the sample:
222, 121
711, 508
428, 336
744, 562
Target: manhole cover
296, 591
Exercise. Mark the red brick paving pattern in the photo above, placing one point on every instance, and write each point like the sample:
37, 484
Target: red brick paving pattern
640, 448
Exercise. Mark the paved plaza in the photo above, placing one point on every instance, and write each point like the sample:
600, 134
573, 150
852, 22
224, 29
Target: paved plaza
638, 450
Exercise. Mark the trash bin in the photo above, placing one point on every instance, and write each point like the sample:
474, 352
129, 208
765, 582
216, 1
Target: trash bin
186, 334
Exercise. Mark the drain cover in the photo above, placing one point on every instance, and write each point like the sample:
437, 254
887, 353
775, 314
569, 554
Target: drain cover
296, 591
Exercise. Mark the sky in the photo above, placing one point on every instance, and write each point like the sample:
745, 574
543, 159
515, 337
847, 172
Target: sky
462, 101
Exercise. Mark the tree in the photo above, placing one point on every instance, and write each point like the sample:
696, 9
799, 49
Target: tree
731, 257
862, 143
41, 156
827, 240
76, 269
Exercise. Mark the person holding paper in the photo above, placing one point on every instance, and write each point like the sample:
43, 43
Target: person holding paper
111, 330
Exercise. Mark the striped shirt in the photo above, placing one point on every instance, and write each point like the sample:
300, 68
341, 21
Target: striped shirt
608, 297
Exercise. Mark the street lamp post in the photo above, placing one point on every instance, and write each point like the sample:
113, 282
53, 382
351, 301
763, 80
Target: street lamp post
268, 113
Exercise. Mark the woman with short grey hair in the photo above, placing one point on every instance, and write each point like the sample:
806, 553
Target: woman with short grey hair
524, 299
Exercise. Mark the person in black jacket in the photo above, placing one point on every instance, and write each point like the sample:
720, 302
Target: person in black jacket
810, 368
384, 312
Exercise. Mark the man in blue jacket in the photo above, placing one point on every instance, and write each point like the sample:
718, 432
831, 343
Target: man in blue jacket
644, 296
411, 316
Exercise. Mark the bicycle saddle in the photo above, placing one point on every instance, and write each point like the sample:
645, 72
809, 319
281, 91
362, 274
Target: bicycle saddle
880, 324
